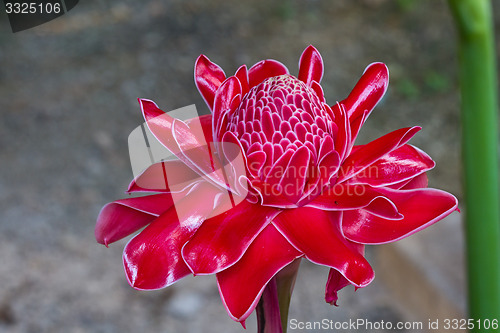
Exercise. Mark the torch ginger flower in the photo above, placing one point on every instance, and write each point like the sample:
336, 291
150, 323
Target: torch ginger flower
305, 189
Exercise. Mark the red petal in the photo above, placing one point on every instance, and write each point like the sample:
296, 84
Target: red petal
316, 234
241, 285
316, 87
186, 140
336, 281
265, 69
420, 208
208, 77
159, 123
152, 259
347, 197
369, 90
205, 122
310, 66
196, 152
223, 239
321, 176
363, 156
343, 140
275, 174
295, 174
401, 164
420, 181
121, 218
355, 124
167, 176
242, 75
223, 102
235, 162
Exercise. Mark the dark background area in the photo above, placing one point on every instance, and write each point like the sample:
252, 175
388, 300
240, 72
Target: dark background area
68, 101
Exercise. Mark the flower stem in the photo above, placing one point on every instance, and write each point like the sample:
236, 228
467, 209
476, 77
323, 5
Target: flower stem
480, 154
268, 312
285, 281
272, 310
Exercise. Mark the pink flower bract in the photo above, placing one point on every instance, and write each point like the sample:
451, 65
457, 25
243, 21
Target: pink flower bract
305, 190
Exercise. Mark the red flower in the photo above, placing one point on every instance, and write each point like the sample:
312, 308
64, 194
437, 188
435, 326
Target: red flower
304, 189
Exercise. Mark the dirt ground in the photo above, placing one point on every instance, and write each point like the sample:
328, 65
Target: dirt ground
68, 101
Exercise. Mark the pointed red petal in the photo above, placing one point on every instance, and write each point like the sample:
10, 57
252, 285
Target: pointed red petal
310, 66
196, 152
242, 75
347, 197
205, 123
159, 123
223, 102
343, 139
316, 87
223, 239
265, 69
295, 175
187, 140
420, 208
317, 234
235, 163
167, 176
152, 259
336, 282
364, 155
401, 164
241, 285
355, 124
420, 181
208, 77
369, 90
121, 218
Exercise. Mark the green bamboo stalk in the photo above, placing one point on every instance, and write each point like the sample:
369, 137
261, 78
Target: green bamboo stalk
480, 155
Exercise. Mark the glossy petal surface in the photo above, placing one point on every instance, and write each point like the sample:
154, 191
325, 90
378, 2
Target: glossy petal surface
315, 233
208, 77
223, 239
335, 282
310, 66
369, 90
347, 197
242, 75
403, 163
420, 208
365, 155
223, 104
187, 140
121, 218
159, 123
242, 284
152, 259
168, 176
196, 152
265, 69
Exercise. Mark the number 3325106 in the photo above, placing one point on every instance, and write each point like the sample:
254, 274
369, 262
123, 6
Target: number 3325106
32, 8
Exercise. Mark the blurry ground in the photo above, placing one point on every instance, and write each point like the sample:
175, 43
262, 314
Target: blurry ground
68, 94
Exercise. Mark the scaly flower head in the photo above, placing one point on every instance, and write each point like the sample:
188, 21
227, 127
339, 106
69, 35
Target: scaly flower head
270, 176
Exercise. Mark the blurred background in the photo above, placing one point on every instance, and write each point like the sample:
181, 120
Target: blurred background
68, 93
